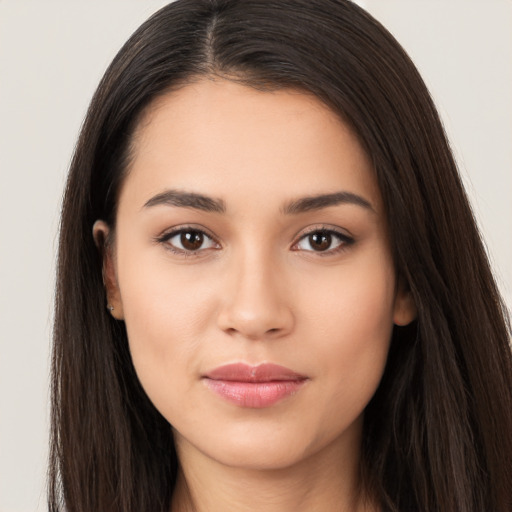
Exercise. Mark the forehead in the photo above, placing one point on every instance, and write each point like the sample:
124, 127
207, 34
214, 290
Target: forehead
219, 137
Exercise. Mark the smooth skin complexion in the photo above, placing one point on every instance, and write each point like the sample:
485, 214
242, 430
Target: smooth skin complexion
250, 231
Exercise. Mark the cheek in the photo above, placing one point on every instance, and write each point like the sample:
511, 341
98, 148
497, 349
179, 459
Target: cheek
353, 301
353, 315
166, 311
350, 321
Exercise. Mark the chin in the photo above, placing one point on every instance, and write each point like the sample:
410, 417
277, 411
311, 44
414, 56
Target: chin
262, 455
272, 445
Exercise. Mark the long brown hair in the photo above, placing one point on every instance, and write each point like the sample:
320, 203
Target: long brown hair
438, 432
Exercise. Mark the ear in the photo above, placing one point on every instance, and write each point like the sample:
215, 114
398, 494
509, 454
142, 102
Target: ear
102, 239
405, 310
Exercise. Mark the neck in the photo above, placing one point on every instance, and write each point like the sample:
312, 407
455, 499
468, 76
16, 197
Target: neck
328, 481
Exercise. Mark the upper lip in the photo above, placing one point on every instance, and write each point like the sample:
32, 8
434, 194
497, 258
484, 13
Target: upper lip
265, 372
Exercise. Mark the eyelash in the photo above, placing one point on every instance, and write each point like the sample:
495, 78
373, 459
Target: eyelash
344, 241
166, 237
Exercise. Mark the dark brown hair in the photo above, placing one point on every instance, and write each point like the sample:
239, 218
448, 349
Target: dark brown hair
438, 432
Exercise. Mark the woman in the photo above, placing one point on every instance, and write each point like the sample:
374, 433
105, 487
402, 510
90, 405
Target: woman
300, 314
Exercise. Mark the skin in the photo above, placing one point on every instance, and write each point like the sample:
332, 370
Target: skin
256, 290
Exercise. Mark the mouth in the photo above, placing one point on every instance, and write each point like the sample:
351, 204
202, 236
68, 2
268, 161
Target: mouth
254, 387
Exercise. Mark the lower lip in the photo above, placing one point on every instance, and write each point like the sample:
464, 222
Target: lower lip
256, 395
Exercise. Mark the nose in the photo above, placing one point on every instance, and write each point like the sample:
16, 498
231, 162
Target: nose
257, 302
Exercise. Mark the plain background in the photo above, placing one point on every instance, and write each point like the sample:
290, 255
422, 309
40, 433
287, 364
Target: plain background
52, 55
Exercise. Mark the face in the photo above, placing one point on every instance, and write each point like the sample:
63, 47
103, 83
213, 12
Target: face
252, 268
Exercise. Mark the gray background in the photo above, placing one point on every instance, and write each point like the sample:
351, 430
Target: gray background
52, 54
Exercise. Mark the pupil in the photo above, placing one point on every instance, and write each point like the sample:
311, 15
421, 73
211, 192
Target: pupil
191, 240
320, 241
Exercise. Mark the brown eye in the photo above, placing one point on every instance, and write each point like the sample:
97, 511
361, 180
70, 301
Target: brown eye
186, 241
320, 241
191, 240
323, 240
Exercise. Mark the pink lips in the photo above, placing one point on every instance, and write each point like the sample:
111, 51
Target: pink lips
254, 386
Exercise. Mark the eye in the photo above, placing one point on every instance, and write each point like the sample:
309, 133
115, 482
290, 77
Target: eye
324, 241
188, 240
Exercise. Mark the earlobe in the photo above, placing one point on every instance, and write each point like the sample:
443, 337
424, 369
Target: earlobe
405, 310
102, 239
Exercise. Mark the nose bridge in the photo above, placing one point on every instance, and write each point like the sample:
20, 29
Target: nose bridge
257, 303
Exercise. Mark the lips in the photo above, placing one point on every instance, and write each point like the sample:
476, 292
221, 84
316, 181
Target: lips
254, 386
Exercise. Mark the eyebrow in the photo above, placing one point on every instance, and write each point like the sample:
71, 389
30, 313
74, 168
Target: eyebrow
304, 204
187, 200
310, 203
